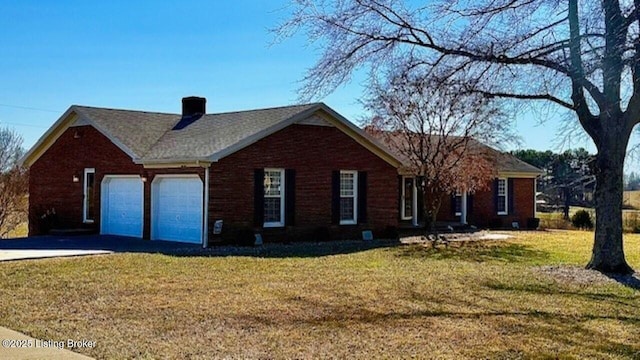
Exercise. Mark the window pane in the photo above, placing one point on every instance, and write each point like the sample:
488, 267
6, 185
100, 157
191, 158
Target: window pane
346, 209
346, 184
502, 200
272, 181
89, 196
458, 204
272, 210
408, 197
502, 186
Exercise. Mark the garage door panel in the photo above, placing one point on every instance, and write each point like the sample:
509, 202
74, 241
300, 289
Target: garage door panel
122, 206
178, 209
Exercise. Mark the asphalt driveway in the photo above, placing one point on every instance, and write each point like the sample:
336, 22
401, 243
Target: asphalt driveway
57, 246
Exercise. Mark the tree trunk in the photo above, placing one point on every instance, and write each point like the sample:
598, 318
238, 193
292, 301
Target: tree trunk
431, 207
567, 200
608, 253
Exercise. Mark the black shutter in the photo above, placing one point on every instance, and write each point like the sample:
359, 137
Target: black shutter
469, 206
510, 195
453, 205
362, 197
495, 196
335, 197
258, 197
400, 187
289, 197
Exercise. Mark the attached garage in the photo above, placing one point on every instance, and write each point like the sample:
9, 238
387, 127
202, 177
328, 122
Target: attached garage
122, 205
177, 208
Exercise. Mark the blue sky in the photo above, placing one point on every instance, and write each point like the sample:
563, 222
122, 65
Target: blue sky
147, 55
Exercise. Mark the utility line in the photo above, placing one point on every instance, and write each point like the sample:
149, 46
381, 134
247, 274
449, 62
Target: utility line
29, 108
17, 124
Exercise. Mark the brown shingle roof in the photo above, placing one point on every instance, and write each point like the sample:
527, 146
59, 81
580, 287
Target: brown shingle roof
137, 130
150, 136
153, 138
214, 133
505, 162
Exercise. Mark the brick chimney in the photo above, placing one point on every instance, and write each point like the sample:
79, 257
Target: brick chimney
193, 105
193, 108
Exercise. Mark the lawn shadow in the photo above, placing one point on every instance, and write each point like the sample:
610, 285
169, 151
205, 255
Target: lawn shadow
630, 280
557, 289
119, 244
561, 327
295, 250
476, 251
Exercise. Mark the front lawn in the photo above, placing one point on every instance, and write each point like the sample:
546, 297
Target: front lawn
522, 298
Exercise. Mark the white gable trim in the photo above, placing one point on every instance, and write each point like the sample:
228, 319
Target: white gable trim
333, 119
319, 114
115, 141
71, 117
518, 174
49, 137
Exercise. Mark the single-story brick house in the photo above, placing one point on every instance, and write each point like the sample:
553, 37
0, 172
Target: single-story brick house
278, 170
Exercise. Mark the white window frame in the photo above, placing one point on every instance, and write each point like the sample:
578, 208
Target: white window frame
353, 221
506, 196
457, 194
280, 223
85, 208
404, 198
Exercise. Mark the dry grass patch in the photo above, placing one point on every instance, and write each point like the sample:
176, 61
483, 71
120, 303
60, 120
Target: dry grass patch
479, 300
631, 198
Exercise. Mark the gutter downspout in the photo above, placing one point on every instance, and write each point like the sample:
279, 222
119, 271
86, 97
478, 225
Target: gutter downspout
205, 222
535, 197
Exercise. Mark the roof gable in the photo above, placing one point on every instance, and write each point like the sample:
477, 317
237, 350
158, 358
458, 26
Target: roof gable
71, 117
506, 163
152, 138
216, 135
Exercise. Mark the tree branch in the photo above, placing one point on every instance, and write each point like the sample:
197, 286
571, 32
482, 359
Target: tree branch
588, 121
548, 97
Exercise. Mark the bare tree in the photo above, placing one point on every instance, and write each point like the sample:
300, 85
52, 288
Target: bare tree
13, 182
434, 126
582, 56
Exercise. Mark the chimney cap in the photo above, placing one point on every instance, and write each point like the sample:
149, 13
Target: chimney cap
190, 98
192, 105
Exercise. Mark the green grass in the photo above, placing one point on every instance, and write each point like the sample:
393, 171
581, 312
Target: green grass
555, 220
478, 300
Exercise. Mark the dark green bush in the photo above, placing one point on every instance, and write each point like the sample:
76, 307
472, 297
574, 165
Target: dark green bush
582, 220
496, 223
240, 235
533, 223
321, 233
389, 232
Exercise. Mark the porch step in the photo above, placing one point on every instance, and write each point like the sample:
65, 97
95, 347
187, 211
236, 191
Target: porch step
441, 227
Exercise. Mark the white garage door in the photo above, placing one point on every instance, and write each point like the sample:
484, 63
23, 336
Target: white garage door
177, 208
122, 206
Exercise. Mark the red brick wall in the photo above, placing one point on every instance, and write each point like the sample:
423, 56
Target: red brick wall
483, 213
314, 152
50, 179
51, 185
